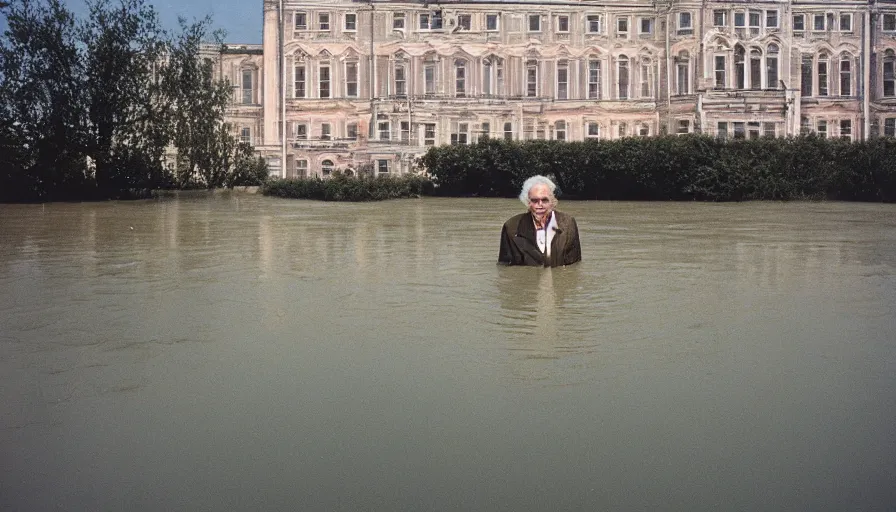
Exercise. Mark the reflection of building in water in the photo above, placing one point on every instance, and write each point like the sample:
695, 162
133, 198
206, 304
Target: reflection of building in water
340, 83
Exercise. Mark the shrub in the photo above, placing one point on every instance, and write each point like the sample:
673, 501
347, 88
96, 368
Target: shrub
687, 167
341, 187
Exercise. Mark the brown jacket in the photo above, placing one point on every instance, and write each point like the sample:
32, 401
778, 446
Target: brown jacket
519, 246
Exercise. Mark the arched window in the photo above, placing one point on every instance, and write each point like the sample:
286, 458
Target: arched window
562, 79
560, 130
430, 74
531, 78
645, 73
846, 75
755, 68
622, 76
740, 72
326, 167
823, 73
460, 78
683, 72
771, 66
595, 85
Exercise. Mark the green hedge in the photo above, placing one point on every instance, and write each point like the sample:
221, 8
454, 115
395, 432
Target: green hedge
688, 167
341, 187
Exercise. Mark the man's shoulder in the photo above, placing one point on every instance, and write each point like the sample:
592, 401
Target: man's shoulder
514, 221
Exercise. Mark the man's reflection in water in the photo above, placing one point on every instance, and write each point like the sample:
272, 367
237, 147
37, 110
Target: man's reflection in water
537, 307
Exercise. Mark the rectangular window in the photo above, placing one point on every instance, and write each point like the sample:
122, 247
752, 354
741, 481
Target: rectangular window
740, 19
302, 168
429, 134
646, 26
405, 128
682, 75
460, 80
382, 167
684, 126
245, 135
720, 72
846, 129
845, 77
646, 81
351, 131
491, 22
822, 129
529, 129
302, 132
593, 22
720, 18
799, 22
562, 81
247, 87
351, 79
301, 21
753, 128
806, 76
755, 71
768, 129
397, 21
755, 22
594, 79
531, 79
508, 131
889, 78
889, 22
563, 23
722, 130
326, 131
464, 22
593, 130
435, 20
739, 132
485, 130
890, 127
771, 71
429, 79
771, 18
401, 87
622, 26
460, 134
560, 130
384, 131
818, 23
845, 22
351, 22
822, 78
324, 81
534, 23
424, 21
684, 21
323, 21
299, 82
623, 130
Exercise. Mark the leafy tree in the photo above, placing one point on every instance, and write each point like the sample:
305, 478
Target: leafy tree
204, 143
41, 107
128, 117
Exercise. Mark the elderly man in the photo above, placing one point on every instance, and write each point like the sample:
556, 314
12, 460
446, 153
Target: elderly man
542, 236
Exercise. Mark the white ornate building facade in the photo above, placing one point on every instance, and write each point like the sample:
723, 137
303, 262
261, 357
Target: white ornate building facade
377, 82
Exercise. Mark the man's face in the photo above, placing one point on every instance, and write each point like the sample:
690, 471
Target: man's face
540, 200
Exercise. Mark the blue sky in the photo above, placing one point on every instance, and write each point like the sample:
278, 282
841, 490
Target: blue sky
240, 18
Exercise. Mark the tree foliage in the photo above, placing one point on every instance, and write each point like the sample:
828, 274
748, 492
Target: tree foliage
90, 108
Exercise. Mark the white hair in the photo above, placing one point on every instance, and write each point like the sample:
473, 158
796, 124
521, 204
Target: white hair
536, 180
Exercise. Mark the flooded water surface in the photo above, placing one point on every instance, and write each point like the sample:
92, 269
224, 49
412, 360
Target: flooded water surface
248, 353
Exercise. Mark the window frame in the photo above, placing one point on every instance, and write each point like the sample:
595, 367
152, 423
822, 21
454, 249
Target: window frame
303, 15
354, 23
496, 18
563, 20
324, 22
802, 18
594, 23
716, 14
396, 17
685, 27
530, 18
